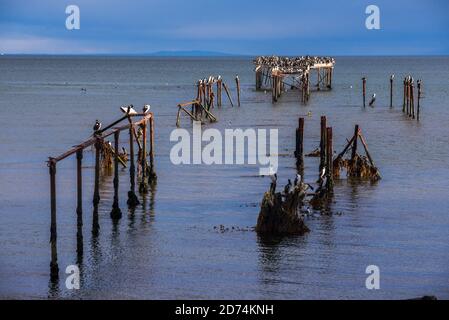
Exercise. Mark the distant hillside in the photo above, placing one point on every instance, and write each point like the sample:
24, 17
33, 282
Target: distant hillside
192, 53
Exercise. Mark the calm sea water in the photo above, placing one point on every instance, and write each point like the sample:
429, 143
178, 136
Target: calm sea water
168, 248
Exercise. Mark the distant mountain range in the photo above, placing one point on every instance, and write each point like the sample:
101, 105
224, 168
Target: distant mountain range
192, 53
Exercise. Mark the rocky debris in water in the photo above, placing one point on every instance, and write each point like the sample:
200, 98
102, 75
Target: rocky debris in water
222, 229
425, 298
280, 212
314, 154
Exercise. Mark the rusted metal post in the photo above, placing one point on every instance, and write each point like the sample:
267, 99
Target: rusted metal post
79, 207
237, 81
299, 153
54, 269
323, 142
132, 198
364, 91
143, 187
116, 213
329, 162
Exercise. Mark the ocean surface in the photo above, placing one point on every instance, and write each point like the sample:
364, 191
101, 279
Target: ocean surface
168, 247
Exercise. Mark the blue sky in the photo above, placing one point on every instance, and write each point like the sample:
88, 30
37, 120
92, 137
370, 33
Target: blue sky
241, 27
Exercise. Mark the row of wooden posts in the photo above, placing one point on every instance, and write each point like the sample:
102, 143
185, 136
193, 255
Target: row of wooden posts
325, 148
408, 106
205, 99
148, 176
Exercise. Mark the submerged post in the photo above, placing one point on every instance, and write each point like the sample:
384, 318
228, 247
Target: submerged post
391, 90
323, 142
354, 145
329, 162
143, 187
132, 198
299, 153
116, 213
364, 91
54, 269
98, 146
79, 207
237, 81
152, 174
418, 83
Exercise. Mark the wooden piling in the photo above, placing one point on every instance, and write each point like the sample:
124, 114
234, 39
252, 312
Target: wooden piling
228, 94
152, 174
116, 213
143, 187
323, 142
299, 153
418, 83
412, 100
54, 269
391, 90
237, 81
132, 198
329, 162
79, 207
405, 94
98, 146
364, 91
354, 145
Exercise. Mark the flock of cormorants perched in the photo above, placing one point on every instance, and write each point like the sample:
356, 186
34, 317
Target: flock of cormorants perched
291, 64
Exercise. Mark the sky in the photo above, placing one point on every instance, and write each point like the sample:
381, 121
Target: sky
247, 27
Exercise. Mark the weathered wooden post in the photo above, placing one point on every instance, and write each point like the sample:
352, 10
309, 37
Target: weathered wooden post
331, 70
329, 162
132, 198
237, 81
79, 207
354, 145
364, 91
299, 153
323, 142
219, 91
412, 99
405, 94
54, 269
116, 213
98, 147
419, 98
391, 90
143, 187
152, 174
408, 97
228, 94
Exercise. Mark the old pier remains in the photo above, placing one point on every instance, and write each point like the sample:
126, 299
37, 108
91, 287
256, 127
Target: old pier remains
279, 73
138, 131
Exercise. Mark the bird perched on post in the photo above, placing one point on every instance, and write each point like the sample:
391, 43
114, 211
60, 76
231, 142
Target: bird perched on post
287, 187
373, 98
146, 108
297, 179
97, 126
128, 110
